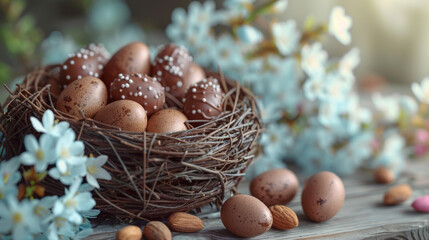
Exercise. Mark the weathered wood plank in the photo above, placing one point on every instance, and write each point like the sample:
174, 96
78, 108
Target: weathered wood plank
363, 215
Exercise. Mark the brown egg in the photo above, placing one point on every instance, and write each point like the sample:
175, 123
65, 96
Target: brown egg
203, 100
171, 65
246, 216
125, 114
88, 94
275, 187
84, 63
140, 88
167, 120
194, 75
132, 58
322, 196
55, 89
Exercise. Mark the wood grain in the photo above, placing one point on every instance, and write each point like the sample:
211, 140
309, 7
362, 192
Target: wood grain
363, 215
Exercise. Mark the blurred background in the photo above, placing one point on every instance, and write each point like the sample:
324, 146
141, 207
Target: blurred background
391, 34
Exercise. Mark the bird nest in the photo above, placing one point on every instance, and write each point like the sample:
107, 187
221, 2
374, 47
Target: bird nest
153, 175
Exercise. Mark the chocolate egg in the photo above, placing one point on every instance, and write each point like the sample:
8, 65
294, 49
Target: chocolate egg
203, 100
145, 90
246, 216
194, 75
167, 120
125, 114
171, 65
132, 58
87, 94
275, 187
81, 64
99, 51
322, 196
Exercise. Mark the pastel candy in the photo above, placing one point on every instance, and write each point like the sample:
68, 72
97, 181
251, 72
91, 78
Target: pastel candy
421, 204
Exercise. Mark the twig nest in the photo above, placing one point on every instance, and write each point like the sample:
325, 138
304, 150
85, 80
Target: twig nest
125, 114
88, 94
167, 120
171, 65
132, 58
204, 100
145, 90
84, 63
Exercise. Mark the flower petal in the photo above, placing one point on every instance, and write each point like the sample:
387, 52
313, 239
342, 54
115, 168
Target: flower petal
27, 158
62, 166
100, 160
37, 125
91, 180
102, 174
31, 143
48, 119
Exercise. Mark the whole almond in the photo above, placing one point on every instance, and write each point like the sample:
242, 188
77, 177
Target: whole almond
184, 222
283, 217
156, 230
383, 175
397, 194
129, 233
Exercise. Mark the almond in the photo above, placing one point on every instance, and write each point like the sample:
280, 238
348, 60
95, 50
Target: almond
383, 175
397, 194
129, 233
184, 222
156, 230
283, 217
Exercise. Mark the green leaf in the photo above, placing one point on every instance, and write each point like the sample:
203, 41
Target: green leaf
5, 73
15, 10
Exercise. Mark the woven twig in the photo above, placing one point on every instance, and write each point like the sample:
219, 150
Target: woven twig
153, 175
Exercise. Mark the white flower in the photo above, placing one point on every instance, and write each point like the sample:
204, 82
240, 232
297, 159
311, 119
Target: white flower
69, 151
276, 140
349, 62
39, 155
421, 90
18, 218
279, 6
329, 114
49, 126
286, 36
9, 177
357, 114
227, 52
313, 59
73, 202
249, 34
408, 104
313, 88
339, 25
42, 208
336, 87
387, 105
70, 173
94, 170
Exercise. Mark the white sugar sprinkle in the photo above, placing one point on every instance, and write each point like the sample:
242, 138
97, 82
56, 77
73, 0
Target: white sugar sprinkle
155, 107
204, 100
194, 112
131, 93
65, 67
83, 67
179, 84
145, 96
145, 79
100, 66
122, 85
68, 77
149, 88
91, 73
194, 97
71, 62
136, 94
140, 93
79, 77
139, 88
199, 110
194, 90
127, 85
159, 73
130, 81
123, 96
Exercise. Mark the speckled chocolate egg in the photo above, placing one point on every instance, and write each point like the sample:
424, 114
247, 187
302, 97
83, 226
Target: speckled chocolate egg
81, 64
322, 196
203, 100
171, 65
88, 94
100, 52
125, 114
194, 75
167, 120
246, 216
132, 58
275, 187
141, 88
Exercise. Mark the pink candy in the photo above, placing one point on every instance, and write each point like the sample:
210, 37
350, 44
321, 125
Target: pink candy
421, 204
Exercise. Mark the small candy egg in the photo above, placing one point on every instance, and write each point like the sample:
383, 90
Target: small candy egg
88, 94
322, 196
275, 187
203, 100
82, 64
145, 90
167, 120
421, 204
246, 216
125, 114
171, 65
132, 58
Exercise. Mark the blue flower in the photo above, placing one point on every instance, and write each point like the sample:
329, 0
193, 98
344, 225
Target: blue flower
392, 154
239, 8
107, 15
42, 208
18, 218
73, 202
49, 126
39, 155
314, 88
339, 25
94, 170
69, 151
70, 173
286, 36
249, 34
356, 115
313, 59
388, 106
408, 104
9, 177
276, 140
227, 54
56, 48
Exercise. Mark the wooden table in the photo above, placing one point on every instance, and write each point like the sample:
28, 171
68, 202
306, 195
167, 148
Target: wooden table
363, 216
